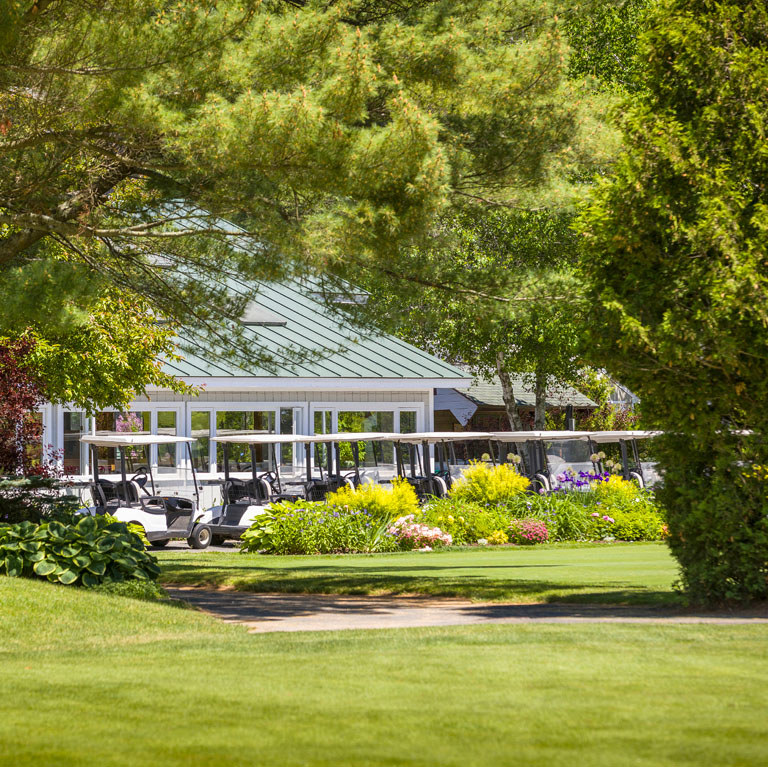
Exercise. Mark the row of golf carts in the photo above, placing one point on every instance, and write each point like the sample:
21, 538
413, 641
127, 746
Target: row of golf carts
429, 461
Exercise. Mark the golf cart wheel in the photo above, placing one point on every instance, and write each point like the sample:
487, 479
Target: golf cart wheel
637, 479
160, 544
201, 537
217, 540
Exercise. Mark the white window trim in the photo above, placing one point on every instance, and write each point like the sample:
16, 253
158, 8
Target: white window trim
263, 407
303, 423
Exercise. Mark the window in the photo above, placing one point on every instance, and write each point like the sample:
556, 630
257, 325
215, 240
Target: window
323, 424
201, 432
233, 421
166, 454
371, 453
135, 422
34, 449
407, 421
286, 427
75, 456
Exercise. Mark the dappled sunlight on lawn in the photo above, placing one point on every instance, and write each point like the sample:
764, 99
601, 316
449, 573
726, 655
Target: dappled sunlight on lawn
593, 574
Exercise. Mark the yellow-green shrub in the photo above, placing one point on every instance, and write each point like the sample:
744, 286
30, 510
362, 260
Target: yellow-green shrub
382, 504
489, 485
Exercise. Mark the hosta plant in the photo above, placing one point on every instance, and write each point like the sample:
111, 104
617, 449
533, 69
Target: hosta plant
94, 550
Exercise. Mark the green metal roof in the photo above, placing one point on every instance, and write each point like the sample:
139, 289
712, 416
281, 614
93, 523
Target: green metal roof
485, 393
346, 352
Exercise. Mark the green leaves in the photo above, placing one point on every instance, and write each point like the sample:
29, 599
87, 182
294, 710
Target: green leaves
44, 568
93, 550
676, 275
333, 132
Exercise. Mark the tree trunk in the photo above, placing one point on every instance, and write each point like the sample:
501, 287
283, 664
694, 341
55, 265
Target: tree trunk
540, 410
510, 402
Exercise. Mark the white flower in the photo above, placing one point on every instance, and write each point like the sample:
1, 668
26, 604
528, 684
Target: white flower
482, 541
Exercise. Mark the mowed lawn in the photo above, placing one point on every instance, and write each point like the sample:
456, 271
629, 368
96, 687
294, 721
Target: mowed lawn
91, 679
628, 573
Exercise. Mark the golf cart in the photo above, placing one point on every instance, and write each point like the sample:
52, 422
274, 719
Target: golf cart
627, 450
356, 474
532, 453
129, 500
244, 499
427, 479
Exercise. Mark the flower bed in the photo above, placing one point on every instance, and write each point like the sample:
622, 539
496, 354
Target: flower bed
414, 535
370, 519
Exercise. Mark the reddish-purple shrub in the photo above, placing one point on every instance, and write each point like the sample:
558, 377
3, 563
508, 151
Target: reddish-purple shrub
21, 394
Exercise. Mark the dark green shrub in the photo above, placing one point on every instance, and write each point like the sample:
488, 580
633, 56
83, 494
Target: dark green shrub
34, 499
717, 511
94, 550
674, 260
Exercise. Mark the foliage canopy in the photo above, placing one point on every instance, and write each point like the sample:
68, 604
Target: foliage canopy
676, 268
332, 132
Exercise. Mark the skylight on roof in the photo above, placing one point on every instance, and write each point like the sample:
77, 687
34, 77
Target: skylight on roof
259, 315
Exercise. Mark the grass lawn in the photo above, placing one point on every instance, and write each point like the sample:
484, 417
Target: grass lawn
628, 573
92, 679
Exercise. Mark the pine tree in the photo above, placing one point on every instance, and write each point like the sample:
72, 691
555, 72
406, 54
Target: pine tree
333, 133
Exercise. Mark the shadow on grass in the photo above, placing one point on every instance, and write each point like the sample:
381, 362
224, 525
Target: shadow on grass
378, 581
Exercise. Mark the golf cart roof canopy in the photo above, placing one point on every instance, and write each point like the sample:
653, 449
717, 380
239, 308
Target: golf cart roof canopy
263, 438
355, 436
439, 436
130, 440
615, 436
529, 436
554, 436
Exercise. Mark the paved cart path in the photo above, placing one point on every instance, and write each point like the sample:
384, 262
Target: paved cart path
321, 612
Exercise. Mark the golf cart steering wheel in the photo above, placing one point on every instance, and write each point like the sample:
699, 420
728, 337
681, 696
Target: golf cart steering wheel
140, 478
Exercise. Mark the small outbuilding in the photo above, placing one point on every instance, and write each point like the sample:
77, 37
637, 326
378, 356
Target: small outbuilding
480, 406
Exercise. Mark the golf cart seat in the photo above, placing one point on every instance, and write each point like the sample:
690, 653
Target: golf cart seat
336, 482
316, 490
110, 495
421, 485
445, 475
243, 491
103, 495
